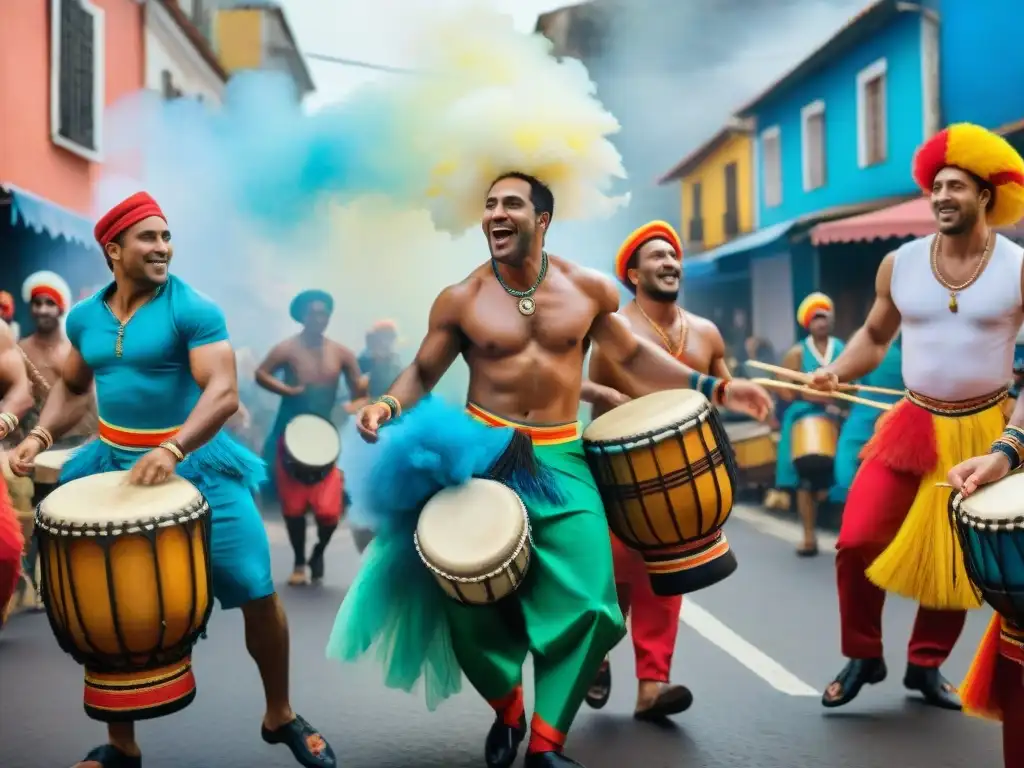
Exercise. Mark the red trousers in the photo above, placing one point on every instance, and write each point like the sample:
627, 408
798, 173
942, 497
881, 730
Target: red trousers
655, 619
876, 506
11, 545
325, 499
1009, 682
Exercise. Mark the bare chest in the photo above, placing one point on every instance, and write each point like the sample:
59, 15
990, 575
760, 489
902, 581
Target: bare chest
316, 366
494, 325
48, 359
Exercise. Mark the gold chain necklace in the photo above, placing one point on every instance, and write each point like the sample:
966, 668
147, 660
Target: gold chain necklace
684, 330
954, 307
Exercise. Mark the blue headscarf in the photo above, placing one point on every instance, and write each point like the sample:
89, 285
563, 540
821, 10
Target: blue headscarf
301, 303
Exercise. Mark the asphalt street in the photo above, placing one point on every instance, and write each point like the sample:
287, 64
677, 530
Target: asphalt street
756, 649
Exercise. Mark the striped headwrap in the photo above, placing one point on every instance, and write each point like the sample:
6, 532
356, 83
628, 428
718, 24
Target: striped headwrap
652, 230
814, 305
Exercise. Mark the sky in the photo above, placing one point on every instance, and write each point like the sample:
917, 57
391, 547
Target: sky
370, 31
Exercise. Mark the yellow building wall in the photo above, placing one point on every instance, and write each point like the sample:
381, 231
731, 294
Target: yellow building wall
710, 174
238, 36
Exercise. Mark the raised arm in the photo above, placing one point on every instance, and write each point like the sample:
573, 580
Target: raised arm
648, 369
435, 356
276, 359
14, 383
867, 347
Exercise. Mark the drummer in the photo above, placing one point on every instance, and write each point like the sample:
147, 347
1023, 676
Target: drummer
15, 400
649, 265
311, 366
818, 349
525, 355
180, 432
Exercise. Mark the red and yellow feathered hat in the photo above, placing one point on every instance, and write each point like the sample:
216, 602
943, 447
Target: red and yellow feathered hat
983, 153
652, 230
815, 304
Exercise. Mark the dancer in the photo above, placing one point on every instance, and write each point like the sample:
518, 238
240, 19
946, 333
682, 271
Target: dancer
313, 366
649, 265
522, 323
994, 687
165, 381
47, 347
15, 401
958, 297
819, 348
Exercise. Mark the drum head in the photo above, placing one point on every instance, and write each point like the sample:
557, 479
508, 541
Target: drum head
108, 498
471, 529
739, 431
312, 440
53, 459
655, 413
997, 504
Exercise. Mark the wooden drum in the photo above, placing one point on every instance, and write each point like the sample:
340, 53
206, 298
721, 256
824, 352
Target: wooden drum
311, 446
667, 475
475, 539
126, 585
814, 446
756, 450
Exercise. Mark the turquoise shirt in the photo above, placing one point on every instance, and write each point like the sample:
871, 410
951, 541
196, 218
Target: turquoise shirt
150, 385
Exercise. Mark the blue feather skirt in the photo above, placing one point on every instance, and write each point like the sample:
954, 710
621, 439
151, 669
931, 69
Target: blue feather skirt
394, 605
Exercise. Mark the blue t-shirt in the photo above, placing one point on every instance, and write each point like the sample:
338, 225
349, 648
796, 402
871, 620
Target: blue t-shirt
150, 386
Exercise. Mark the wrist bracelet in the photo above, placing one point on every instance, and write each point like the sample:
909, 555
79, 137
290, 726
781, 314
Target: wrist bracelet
706, 385
174, 448
43, 435
720, 390
9, 422
392, 403
1009, 451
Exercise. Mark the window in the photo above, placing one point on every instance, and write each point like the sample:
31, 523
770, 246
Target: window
696, 234
77, 72
731, 217
812, 129
771, 160
872, 140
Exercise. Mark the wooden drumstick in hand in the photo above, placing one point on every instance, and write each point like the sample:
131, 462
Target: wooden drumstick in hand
804, 378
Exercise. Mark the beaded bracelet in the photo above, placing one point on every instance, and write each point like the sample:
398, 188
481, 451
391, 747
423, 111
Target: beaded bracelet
1009, 451
8, 422
393, 405
708, 386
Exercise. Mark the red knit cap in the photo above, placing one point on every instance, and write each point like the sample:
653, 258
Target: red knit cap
126, 214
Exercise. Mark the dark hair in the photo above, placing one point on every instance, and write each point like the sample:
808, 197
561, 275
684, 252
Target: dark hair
119, 239
985, 184
540, 193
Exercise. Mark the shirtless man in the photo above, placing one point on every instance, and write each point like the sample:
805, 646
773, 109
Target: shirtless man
523, 321
313, 366
46, 348
649, 264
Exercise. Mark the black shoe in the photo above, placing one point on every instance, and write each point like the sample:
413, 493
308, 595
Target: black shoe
601, 688
111, 757
308, 747
502, 744
549, 760
855, 675
935, 688
316, 563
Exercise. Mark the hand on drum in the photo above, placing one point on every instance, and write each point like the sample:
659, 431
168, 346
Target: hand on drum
968, 476
154, 468
22, 459
749, 398
371, 417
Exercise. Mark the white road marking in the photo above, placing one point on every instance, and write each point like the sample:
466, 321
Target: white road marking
786, 530
762, 665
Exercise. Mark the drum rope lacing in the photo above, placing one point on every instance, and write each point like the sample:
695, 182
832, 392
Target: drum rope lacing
523, 538
192, 512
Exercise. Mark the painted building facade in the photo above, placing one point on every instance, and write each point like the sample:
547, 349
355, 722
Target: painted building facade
716, 189
180, 60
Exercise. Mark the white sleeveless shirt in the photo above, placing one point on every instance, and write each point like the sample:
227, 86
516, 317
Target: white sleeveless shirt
963, 355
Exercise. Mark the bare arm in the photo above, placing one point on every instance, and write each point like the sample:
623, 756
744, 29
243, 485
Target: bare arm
14, 383
792, 360
70, 398
213, 368
718, 365
438, 350
868, 345
357, 383
276, 359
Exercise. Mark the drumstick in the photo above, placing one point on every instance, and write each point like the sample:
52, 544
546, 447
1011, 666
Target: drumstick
804, 378
808, 391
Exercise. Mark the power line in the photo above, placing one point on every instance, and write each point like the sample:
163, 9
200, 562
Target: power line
361, 64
